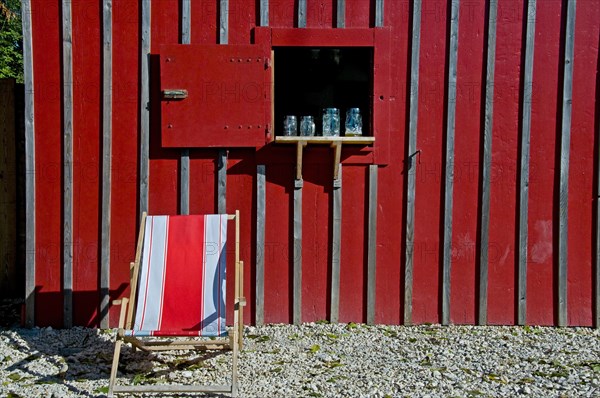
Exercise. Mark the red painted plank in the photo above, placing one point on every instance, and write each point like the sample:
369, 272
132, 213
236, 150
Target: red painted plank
87, 87
390, 227
358, 12
545, 125
471, 34
505, 159
278, 247
125, 151
317, 172
429, 181
204, 16
283, 13
581, 182
353, 264
319, 14
48, 162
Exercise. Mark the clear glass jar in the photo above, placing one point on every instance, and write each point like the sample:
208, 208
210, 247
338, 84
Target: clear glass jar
290, 125
307, 126
353, 123
331, 122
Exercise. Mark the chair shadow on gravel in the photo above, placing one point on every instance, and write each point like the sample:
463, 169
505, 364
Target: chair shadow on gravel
80, 354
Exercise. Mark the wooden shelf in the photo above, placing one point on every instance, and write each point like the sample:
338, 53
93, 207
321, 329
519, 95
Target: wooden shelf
325, 140
335, 142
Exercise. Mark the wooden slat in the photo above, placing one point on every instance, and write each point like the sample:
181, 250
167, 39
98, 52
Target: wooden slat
302, 13
297, 253
261, 210
184, 161
264, 12
170, 388
336, 248
564, 165
487, 162
341, 14
597, 308
106, 163
524, 171
29, 166
410, 164
325, 140
222, 182
372, 245
8, 192
379, 13
67, 52
223, 21
449, 174
145, 106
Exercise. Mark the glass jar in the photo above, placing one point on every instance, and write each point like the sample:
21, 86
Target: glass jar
331, 122
307, 126
290, 125
353, 123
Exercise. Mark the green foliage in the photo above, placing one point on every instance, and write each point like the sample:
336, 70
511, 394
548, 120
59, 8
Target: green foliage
11, 40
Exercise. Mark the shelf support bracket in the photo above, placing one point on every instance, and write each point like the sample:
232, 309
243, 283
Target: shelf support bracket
337, 147
299, 150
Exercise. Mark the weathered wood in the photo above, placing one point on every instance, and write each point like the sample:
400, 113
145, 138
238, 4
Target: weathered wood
336, 249
106, 163
302, 13
372, 245
524, 171
597, 291
297, 253
67, 52
223, 21
8, 192
184, 160
222, 181
449, 173
324, 140
261, 210
340, 14
564, 166
171, 388
487, 162
264, 12
145, 106
409, 163
29, 165
135, 269
379, 13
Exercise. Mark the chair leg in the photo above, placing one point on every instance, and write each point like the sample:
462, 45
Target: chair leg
234, 372
115, 365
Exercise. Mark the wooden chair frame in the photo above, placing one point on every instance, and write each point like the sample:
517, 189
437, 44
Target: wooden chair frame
233, 342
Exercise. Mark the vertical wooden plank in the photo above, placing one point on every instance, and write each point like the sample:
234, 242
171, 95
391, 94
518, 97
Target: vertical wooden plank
302, 13
67, 48
224, 22
261, 209
145, 106
341, 14
336, 249
487, 162
412, 150
379, 13
372, 244
564, 165
524, 171
222, 181
449, 174
29, 166
106, 163
297, 277
8, 191
184, 161
264, 12
597, 308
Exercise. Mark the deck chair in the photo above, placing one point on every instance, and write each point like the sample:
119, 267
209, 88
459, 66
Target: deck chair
178, 295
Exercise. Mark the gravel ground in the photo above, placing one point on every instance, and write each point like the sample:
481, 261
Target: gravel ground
321, 360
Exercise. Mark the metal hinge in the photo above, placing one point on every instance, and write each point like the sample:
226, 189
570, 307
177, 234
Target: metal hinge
175, 94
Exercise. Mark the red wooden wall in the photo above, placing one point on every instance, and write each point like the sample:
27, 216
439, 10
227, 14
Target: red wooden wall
164, 184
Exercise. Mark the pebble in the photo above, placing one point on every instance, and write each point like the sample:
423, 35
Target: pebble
320, 360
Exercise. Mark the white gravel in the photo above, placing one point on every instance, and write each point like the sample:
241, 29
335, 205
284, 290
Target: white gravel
322, 360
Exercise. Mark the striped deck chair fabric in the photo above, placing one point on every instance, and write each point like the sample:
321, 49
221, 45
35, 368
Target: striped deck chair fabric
181, 288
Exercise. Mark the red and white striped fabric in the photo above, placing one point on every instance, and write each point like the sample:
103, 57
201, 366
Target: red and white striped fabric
181, 290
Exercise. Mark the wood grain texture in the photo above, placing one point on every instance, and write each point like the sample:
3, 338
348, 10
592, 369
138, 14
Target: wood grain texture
297, 252
261, 210
145, 106
487, 163
410, 163
336, 249
372, 245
